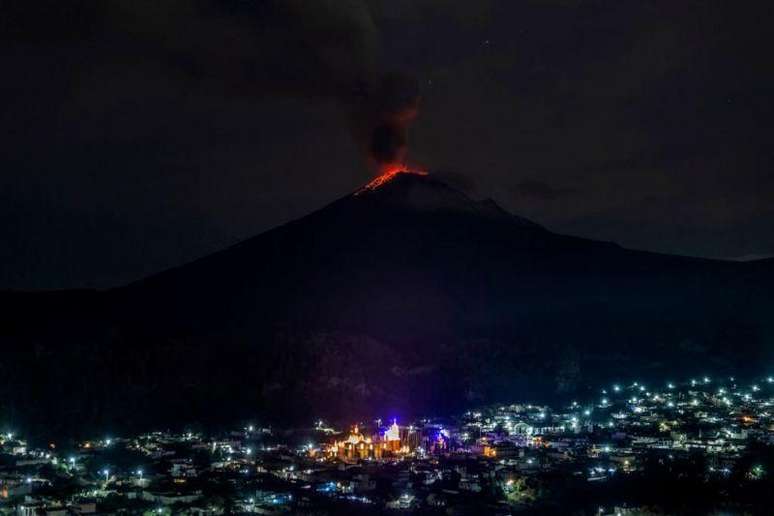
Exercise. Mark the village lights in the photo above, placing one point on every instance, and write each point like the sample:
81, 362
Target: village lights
509, 435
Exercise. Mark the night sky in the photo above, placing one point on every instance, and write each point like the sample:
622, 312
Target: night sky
139, 136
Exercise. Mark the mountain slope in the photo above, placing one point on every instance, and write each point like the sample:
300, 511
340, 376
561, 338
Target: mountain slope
404, 297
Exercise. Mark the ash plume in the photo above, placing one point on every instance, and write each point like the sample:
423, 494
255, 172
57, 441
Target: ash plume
382, 118
340, 41
324, 50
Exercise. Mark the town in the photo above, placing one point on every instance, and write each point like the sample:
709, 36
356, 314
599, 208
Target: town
636, 447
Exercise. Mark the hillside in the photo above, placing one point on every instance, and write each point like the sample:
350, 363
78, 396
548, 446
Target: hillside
404, 297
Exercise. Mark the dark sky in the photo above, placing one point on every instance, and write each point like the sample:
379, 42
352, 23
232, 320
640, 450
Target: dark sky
138, 135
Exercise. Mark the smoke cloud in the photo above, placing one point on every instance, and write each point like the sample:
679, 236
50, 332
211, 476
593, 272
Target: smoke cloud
326, 50
382, 119
339, 59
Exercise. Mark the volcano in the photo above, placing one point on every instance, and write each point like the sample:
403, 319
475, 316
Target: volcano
405, 297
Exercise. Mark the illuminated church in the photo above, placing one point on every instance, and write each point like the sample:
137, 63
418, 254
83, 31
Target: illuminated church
356, 446
395, 441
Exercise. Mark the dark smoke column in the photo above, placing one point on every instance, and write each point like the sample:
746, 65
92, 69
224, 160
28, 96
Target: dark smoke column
385, 115
319, 50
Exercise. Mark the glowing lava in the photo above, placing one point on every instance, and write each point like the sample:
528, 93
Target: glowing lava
389, 173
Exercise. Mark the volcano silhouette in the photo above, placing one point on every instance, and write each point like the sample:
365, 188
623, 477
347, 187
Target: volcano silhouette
406, 297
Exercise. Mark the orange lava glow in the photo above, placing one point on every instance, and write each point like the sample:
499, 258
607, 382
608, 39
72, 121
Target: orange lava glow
388, 174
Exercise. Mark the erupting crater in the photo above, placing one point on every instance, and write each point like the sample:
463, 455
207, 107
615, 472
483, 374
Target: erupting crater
388, 176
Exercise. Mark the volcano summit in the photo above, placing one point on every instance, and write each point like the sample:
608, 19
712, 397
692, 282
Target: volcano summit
404, 297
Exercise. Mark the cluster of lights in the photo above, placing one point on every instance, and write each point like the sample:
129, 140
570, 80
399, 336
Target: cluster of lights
638, 405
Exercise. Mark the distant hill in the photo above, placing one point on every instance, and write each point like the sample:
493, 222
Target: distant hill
404, 297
